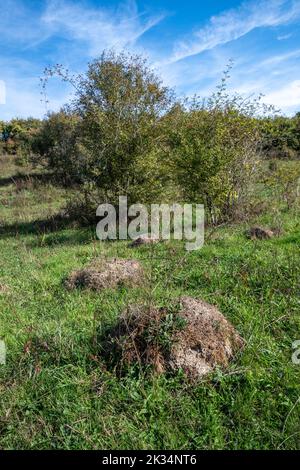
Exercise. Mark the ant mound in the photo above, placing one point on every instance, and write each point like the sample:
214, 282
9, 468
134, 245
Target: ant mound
143, 240
102, 274
196, 338
259, 233
207, 341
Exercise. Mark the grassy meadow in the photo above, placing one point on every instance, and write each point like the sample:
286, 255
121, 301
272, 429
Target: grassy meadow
55, 390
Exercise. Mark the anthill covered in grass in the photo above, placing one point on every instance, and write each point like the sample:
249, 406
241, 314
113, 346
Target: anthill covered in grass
260, 233
207, 341
193, 336
103, 274
143, 240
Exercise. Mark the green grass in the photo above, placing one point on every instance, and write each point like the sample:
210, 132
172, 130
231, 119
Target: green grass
56, 392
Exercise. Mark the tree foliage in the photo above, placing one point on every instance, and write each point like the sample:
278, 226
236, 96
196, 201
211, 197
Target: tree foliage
124, 133
118, 105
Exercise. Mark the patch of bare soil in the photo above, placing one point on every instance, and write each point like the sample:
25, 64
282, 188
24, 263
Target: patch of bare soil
197, 338
101, 274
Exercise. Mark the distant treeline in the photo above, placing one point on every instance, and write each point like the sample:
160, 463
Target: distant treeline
280, 136
17, 136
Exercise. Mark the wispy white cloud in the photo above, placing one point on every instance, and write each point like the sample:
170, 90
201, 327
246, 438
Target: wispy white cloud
273, 80
277, 59
284, 37
98, 28
71, 32
286, 97
235, 23
20, 25
90, 29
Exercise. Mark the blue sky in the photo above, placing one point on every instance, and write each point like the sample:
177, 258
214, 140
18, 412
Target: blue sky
188, 43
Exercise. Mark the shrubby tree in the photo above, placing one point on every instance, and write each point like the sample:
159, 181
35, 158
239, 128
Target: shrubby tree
283, 180
56, 146
214, 149
113, 141
125, 134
